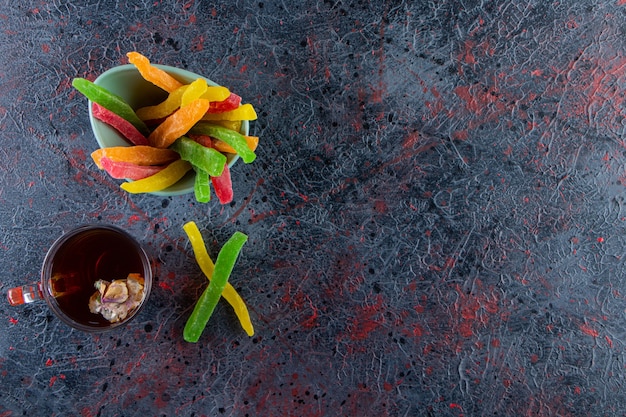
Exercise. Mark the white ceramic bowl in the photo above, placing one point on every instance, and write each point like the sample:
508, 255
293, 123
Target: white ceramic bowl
127, 82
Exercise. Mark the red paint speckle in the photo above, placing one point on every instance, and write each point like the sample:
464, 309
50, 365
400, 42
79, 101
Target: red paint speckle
467, 54
197, 44
465, 329
380, 206
54, 379
588, 330
368, 319
133, 219
460, 135
411, 140
80, 155
418, 330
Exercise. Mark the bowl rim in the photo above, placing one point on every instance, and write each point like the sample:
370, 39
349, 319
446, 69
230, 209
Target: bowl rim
181, 75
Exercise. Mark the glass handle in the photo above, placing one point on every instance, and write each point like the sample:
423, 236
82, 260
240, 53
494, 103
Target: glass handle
24, 295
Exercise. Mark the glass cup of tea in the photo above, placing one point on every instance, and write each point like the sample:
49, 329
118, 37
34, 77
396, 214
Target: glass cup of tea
94, 278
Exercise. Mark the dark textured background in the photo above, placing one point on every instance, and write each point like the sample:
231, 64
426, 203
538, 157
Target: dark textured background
436, 214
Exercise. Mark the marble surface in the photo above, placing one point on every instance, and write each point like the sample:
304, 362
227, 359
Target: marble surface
436, 214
